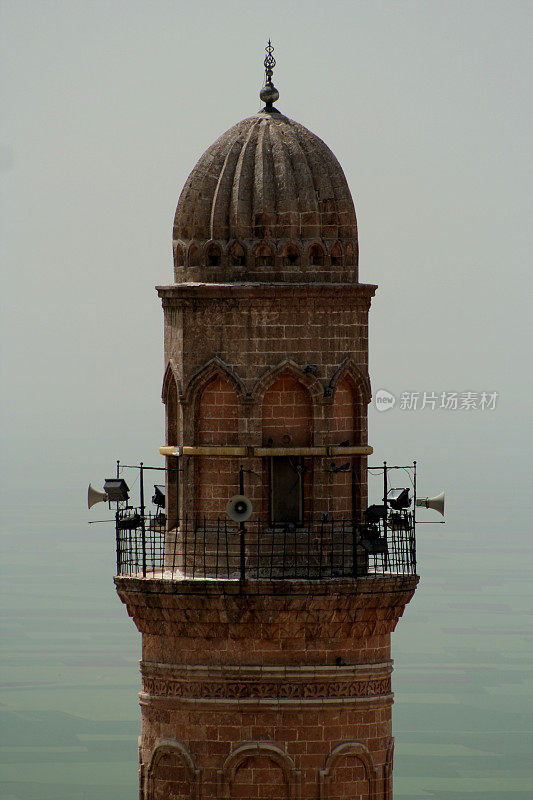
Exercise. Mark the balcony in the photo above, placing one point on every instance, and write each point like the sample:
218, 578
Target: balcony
218, 549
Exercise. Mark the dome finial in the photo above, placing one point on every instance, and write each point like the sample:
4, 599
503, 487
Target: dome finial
269, 94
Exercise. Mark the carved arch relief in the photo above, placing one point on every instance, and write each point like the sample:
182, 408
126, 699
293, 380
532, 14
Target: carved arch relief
359, 376
307, 379
238, 759
215, 367
169, 757
348, 751
171, 376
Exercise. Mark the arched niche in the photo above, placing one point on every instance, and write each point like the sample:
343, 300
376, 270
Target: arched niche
172, 773
217, 413
216, 423
287, 412
213, 254
345, 428
237, 255
349, 771
345, 408
215, 366
264, 255
194, 255
290, 255
350, 254
178, 255
316, 255
287, 421
336, 255
172, 408
358, 375
266, 763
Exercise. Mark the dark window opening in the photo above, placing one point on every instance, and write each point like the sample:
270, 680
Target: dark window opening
213, 257
291, 256
316, 256
336, 256
286, 490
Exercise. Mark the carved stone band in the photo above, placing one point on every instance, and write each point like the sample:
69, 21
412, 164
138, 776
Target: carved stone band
233, 683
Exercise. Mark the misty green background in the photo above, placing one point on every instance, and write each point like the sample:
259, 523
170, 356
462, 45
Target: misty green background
106, 106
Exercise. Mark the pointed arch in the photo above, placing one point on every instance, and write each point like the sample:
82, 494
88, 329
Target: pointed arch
237, 254
226, 775
316, 255
350, 254
215, 366
359, 376
194, 255
178, 255
169, 749
213, 254
336, 255
308, 379
171, 374
264, 254
290, 254
360, 752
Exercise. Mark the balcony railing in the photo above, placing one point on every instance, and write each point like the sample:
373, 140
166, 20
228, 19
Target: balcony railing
214, 549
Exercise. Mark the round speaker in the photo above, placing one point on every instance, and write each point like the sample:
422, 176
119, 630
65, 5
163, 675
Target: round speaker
239, 508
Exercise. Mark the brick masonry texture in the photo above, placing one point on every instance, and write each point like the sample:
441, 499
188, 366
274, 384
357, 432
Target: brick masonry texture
252, 670
234, 352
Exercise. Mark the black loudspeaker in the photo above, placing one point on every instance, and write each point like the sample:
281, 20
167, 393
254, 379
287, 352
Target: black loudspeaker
239, 508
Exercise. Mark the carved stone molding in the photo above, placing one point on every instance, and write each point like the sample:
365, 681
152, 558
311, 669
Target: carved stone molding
264, 683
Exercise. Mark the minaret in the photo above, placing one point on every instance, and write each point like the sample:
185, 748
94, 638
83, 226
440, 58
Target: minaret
266, 664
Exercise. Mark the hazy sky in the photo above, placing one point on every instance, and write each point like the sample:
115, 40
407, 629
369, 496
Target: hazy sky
106, 106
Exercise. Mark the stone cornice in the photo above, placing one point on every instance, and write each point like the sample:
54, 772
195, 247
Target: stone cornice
304, 610
369, 585
178, 294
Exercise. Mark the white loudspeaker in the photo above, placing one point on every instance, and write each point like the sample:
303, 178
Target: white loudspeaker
436, 503
94, 496
239, 508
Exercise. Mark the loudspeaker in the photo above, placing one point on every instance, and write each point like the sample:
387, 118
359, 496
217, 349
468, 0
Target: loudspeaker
436, 503
239, 508
94, 496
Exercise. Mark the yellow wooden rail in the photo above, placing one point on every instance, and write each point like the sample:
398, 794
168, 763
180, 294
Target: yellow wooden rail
260, 452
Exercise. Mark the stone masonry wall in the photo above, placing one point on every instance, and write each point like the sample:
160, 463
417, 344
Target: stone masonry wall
266, 689
252, 336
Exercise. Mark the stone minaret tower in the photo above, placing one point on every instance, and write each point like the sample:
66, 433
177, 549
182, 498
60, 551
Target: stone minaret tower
266, 667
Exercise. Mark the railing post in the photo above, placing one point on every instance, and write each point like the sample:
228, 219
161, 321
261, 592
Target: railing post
143, 527
117, 538
413, 543
242, 531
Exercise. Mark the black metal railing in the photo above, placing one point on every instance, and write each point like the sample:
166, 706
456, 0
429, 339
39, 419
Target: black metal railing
220, 549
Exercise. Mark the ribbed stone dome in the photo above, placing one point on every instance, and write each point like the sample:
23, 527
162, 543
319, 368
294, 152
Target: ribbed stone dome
268, 201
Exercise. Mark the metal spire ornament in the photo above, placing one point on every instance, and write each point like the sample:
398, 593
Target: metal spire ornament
269, 94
